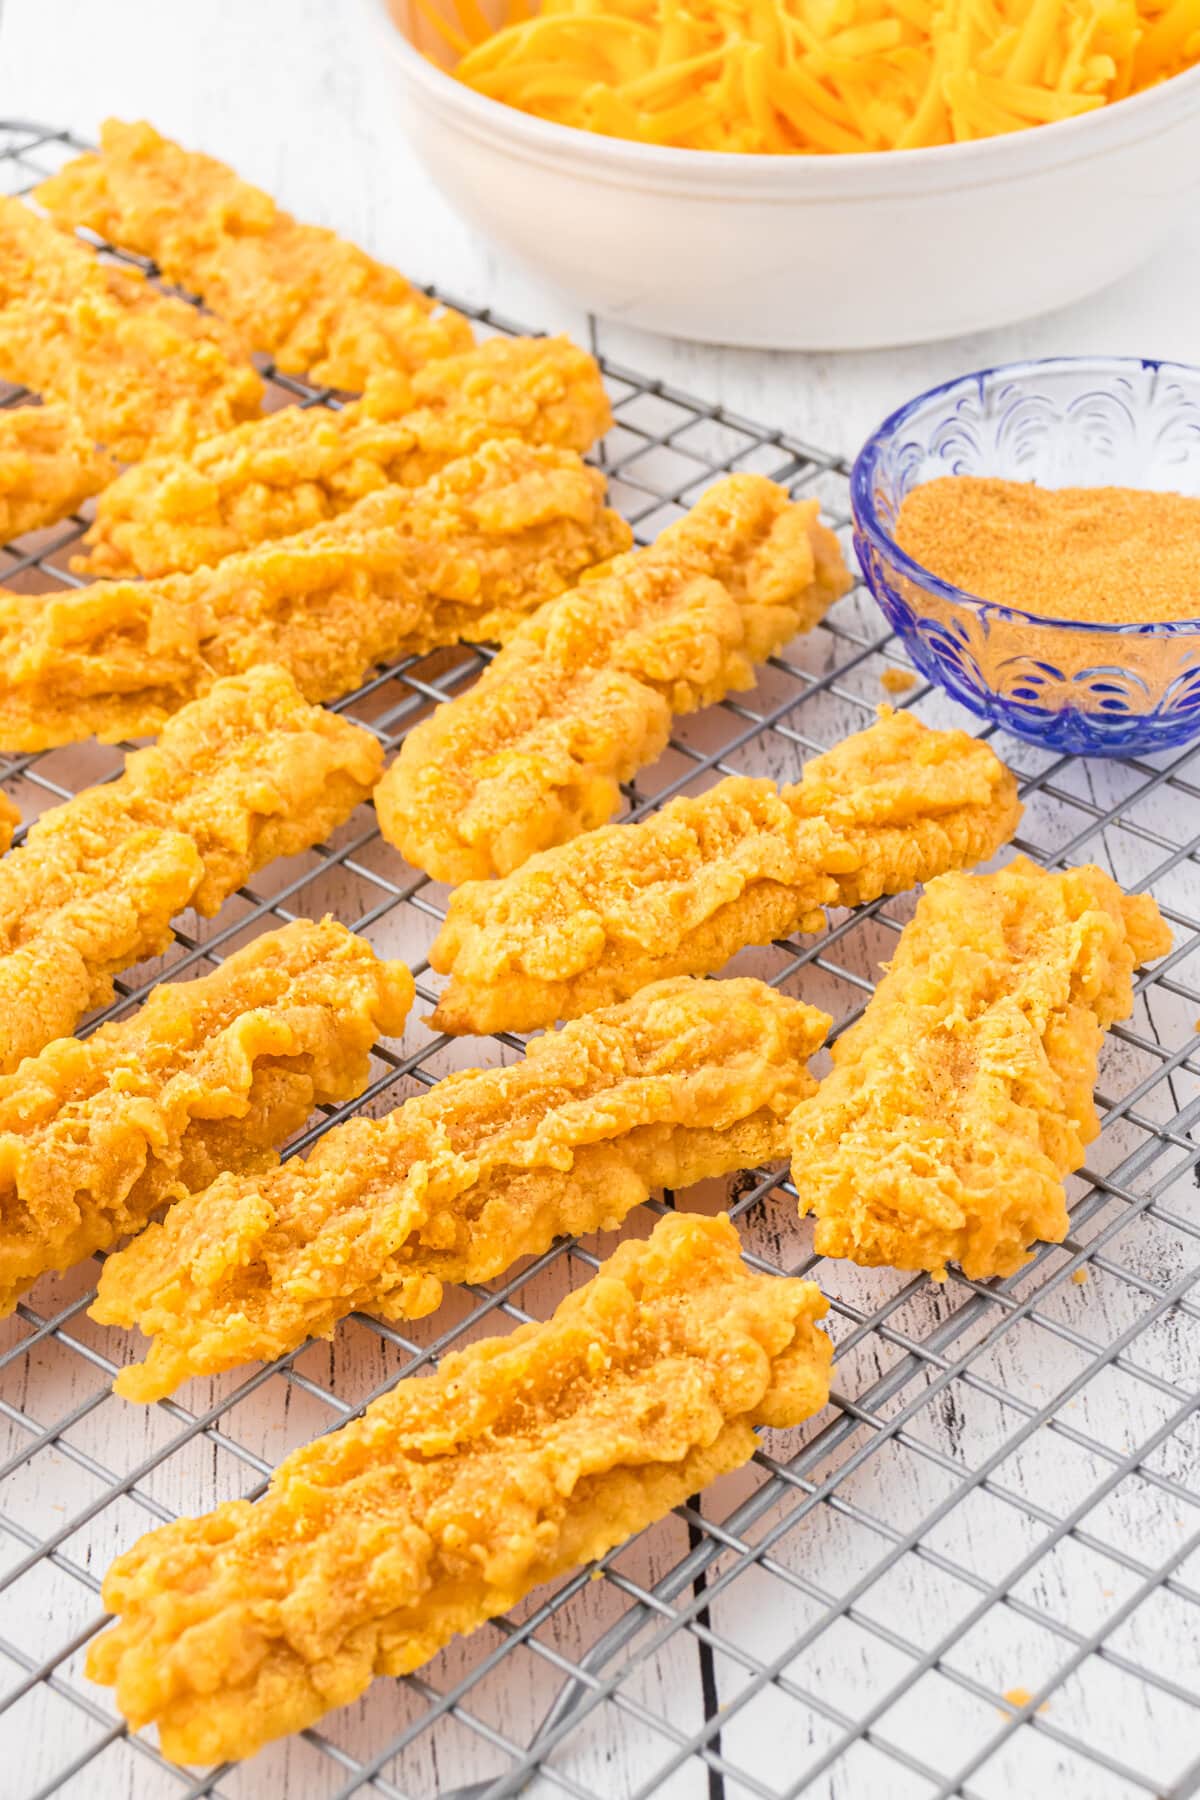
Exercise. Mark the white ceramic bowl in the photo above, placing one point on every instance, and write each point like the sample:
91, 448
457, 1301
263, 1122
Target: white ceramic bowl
804, 252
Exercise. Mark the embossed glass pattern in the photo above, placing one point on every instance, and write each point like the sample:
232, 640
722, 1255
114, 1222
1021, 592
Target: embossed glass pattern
1098, 690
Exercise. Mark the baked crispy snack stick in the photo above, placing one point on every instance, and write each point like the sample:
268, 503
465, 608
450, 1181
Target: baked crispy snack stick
584, 694
456, 1494
286, 472
247, 774
318, 304
48, 467
687, 888
97, 1137
136, 367
466, 556
689, 1079
963, 1096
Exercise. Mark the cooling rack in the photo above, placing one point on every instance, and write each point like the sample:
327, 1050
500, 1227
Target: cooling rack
976, 1573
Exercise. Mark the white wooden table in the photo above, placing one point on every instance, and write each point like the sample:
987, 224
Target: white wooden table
285, 92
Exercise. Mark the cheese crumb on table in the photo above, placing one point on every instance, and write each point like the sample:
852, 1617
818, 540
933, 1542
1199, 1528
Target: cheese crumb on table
1021, 1696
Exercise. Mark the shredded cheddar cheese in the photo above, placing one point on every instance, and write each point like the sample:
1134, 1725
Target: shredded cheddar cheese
812, 76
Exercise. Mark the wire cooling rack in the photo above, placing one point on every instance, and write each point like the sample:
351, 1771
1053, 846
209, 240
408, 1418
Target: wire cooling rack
976, 1573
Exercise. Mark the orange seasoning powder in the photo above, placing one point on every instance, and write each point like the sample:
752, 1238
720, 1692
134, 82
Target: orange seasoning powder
1110, 554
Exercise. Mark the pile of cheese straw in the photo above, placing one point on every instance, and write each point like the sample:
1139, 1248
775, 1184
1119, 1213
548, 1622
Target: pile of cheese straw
818, 75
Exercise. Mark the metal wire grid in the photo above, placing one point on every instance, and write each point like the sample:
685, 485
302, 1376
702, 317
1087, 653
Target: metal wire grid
977, 1573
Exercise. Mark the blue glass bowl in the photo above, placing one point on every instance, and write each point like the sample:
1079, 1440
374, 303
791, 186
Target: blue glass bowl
1094, 690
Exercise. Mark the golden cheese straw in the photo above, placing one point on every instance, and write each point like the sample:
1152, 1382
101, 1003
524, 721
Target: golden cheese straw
467, 555
98, 1136
689, 1079
584, 693
964, 1095
249, 773
318, 304
137, 368
48, 467
457, 1493
281, 474
743, 863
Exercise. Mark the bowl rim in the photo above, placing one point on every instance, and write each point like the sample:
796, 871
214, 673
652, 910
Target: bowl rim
1075, 137
868, 524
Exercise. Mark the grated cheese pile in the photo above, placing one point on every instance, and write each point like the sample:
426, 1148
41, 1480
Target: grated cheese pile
818, 75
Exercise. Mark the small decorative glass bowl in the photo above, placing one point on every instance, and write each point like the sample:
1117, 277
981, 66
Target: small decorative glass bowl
1091, 689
